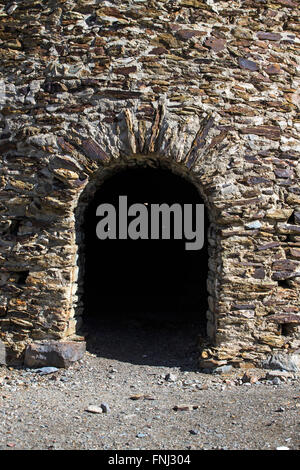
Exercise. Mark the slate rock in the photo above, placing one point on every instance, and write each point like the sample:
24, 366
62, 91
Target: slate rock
287, 362
248, 64
54, 353
46, 370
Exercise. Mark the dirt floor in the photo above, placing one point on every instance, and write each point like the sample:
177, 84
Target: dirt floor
138, 387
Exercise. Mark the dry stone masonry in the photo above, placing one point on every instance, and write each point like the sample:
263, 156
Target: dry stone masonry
208, 89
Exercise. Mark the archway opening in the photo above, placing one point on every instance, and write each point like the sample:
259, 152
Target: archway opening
150, 284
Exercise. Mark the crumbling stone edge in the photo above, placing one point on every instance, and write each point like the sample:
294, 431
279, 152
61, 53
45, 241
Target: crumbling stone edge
62, 354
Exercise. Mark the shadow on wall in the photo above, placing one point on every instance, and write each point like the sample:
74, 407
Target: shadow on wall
143, 291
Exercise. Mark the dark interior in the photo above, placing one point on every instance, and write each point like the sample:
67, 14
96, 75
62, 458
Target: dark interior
156, 279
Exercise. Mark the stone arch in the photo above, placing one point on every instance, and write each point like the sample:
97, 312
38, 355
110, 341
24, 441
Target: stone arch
155, 146
68, 165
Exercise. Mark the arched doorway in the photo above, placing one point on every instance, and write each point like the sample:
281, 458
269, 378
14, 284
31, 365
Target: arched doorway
152, 284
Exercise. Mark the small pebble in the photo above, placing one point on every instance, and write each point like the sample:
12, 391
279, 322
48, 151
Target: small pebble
94, 409
276, 381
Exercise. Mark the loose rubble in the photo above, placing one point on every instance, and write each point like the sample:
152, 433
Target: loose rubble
210, 412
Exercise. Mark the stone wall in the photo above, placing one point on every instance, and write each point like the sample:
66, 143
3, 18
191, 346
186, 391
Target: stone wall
208, 89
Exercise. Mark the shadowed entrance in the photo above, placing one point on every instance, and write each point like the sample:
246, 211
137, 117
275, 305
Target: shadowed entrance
154, 283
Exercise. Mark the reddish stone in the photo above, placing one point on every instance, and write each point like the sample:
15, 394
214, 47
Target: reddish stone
284, 264
120, 94
125, 70
65, 145
99, 51
275, 104
110, 11
93, 150
284, 318
218, 139
294, 252
174, 27
99, 41
189, 33
269, 36
271, 132
293, 309
54, 353
215, 44
286, 3
273, 69
243, 111
259, 78
199, 140
159, 51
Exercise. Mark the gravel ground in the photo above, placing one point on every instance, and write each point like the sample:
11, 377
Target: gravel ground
139, 373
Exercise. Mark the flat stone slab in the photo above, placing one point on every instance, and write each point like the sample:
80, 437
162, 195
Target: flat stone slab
2, 354
54, 353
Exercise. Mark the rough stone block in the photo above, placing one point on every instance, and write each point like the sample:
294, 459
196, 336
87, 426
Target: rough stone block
54, 353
